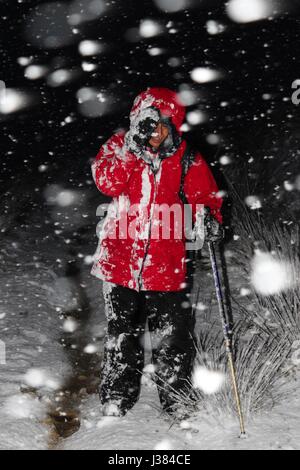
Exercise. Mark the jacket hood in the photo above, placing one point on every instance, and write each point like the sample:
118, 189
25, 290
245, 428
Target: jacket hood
165, 100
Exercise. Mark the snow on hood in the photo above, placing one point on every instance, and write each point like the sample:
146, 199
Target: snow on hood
167, 101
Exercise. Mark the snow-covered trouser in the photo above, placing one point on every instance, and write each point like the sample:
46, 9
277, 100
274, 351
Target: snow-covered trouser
171, 324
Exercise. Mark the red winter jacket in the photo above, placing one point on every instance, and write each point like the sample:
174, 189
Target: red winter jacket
141, 261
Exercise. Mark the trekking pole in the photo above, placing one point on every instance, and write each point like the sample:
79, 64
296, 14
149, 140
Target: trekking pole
227, 336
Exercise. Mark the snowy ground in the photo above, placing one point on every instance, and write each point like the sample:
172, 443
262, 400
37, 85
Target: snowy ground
145, 428
32, 326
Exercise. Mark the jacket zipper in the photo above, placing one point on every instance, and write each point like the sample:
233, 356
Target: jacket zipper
155, 171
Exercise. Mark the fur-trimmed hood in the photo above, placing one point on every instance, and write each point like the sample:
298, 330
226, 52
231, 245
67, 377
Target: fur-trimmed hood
172, 114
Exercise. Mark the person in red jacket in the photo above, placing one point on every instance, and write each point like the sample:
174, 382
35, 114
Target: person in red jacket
141, 255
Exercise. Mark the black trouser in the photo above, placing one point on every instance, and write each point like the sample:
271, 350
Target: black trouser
171, 324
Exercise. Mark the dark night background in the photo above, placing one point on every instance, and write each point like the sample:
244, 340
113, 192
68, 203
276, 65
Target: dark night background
259, 134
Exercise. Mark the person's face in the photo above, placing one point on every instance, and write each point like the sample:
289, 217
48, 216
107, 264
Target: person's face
159, 135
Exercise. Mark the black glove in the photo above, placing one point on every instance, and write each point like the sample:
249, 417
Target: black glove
141, 129
145, 130
214, 232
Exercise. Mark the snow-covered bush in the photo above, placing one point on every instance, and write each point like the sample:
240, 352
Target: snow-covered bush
277, 304
261, 365
267, 322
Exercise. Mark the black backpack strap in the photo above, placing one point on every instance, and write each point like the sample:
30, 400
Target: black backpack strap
186, 162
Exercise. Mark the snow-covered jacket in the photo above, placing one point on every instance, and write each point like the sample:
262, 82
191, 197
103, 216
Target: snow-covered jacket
128, 253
